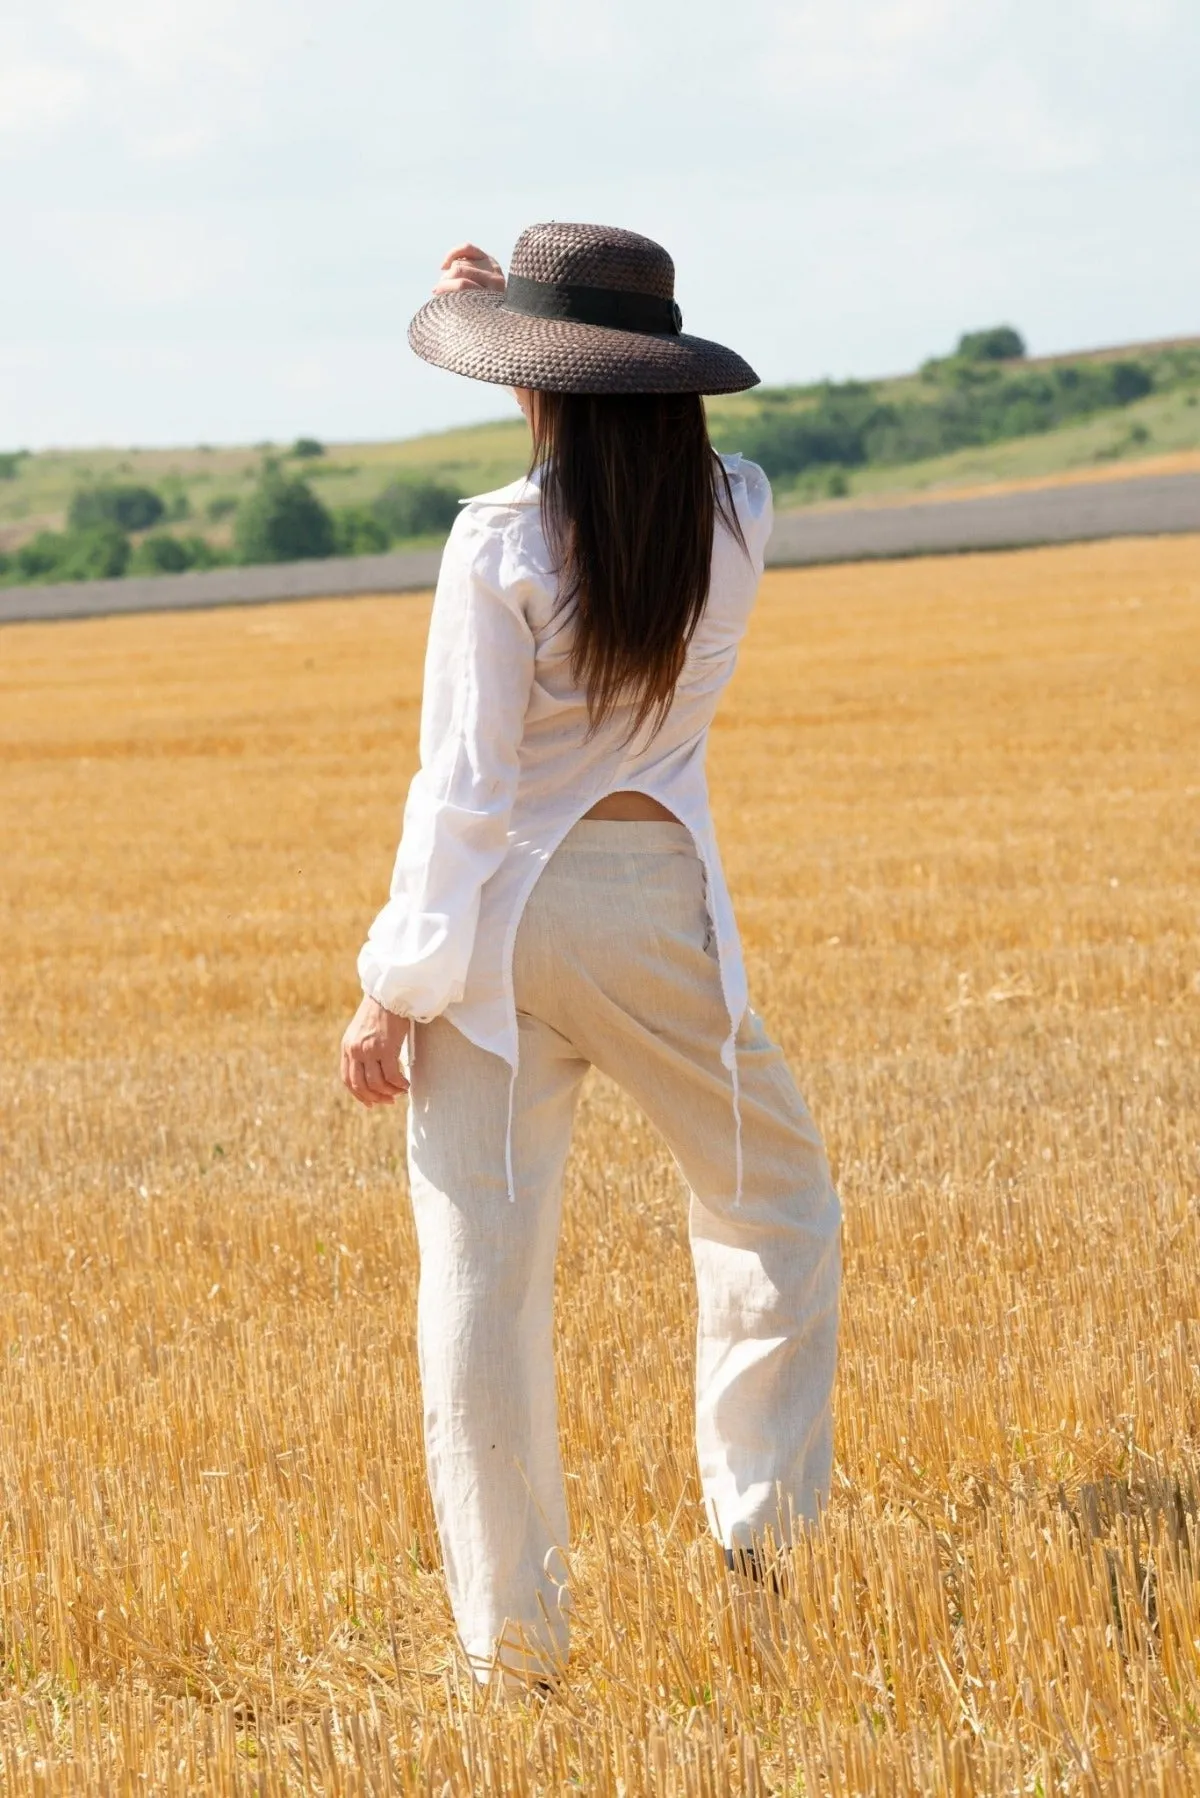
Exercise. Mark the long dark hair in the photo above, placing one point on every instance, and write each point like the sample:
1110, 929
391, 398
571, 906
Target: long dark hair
631, 492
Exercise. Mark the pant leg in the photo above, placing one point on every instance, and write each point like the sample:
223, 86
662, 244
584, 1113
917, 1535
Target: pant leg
485, 1333
629, 939
768, 1274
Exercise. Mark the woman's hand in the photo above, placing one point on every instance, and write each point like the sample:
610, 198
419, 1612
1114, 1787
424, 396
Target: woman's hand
371, 1054
466, 265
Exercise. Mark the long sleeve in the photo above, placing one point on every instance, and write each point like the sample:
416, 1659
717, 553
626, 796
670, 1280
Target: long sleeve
757, 512
478, 675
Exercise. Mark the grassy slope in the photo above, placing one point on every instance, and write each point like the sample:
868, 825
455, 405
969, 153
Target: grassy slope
1171, 421
349, 474
484, 456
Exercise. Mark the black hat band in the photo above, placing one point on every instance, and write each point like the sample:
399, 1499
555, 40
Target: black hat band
615, 308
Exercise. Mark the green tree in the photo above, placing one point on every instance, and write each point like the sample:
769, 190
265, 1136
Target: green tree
305, 447
129, 507
416, 508
36, 559
97, 555
357, 532
833, 431
175, 499
101, 553
999, 343
160, 553
1130, 381
203, 554
282, 521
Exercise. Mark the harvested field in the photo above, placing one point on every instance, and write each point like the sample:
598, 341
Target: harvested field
959, 804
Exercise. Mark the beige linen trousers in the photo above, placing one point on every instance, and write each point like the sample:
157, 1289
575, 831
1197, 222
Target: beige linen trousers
613, 968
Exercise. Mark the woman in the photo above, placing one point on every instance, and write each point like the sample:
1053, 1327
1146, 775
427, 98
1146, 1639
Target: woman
558, 903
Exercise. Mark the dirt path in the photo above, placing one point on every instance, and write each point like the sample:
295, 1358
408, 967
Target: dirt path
1068, 513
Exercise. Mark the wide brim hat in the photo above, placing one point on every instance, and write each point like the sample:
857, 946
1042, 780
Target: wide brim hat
586, 309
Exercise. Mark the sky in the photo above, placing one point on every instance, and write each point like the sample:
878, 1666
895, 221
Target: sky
219, 215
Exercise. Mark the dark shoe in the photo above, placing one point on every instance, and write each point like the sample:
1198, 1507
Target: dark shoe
745, 1561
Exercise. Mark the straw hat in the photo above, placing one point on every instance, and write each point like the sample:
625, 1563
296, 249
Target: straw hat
587, 309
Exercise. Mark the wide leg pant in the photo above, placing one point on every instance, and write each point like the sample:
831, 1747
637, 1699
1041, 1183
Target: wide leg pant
613, 969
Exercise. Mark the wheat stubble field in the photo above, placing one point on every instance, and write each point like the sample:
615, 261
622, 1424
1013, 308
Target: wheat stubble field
959, 802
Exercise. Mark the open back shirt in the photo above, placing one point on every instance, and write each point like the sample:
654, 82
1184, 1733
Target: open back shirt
509, 763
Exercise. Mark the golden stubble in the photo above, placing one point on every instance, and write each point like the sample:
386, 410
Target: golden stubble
958, 804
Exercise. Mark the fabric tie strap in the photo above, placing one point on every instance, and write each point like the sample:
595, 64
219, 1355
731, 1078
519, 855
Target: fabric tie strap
615, 308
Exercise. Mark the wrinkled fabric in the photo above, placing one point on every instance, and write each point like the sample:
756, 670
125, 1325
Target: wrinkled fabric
507, 764
614, 968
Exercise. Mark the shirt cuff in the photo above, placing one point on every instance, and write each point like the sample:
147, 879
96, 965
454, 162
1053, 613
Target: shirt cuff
374, 981
393, 1009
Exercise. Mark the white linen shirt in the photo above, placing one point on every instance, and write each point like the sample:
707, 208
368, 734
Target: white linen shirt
508, 763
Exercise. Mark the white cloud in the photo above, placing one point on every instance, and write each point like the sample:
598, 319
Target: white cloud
584, 37
1008, 122
168, 80
142, 260
306, 376
176, 142
856, 45
160, 43
1142, 17
919, 81
37, 96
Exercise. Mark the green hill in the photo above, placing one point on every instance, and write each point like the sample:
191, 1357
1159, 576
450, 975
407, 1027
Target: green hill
964, 419
981, 414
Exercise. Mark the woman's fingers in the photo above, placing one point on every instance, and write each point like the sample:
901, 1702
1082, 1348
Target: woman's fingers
389, 1067
473, 271
372, 1078
354, 1072
469, 252
381, 1093
466, 265
366, 1083
458, 286
463, 274
356, 1080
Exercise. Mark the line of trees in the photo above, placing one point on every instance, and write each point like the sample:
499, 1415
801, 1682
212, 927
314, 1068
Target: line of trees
981, 394
111, 528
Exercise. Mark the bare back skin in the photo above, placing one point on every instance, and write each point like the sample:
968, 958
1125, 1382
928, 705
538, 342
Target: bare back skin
630, 808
